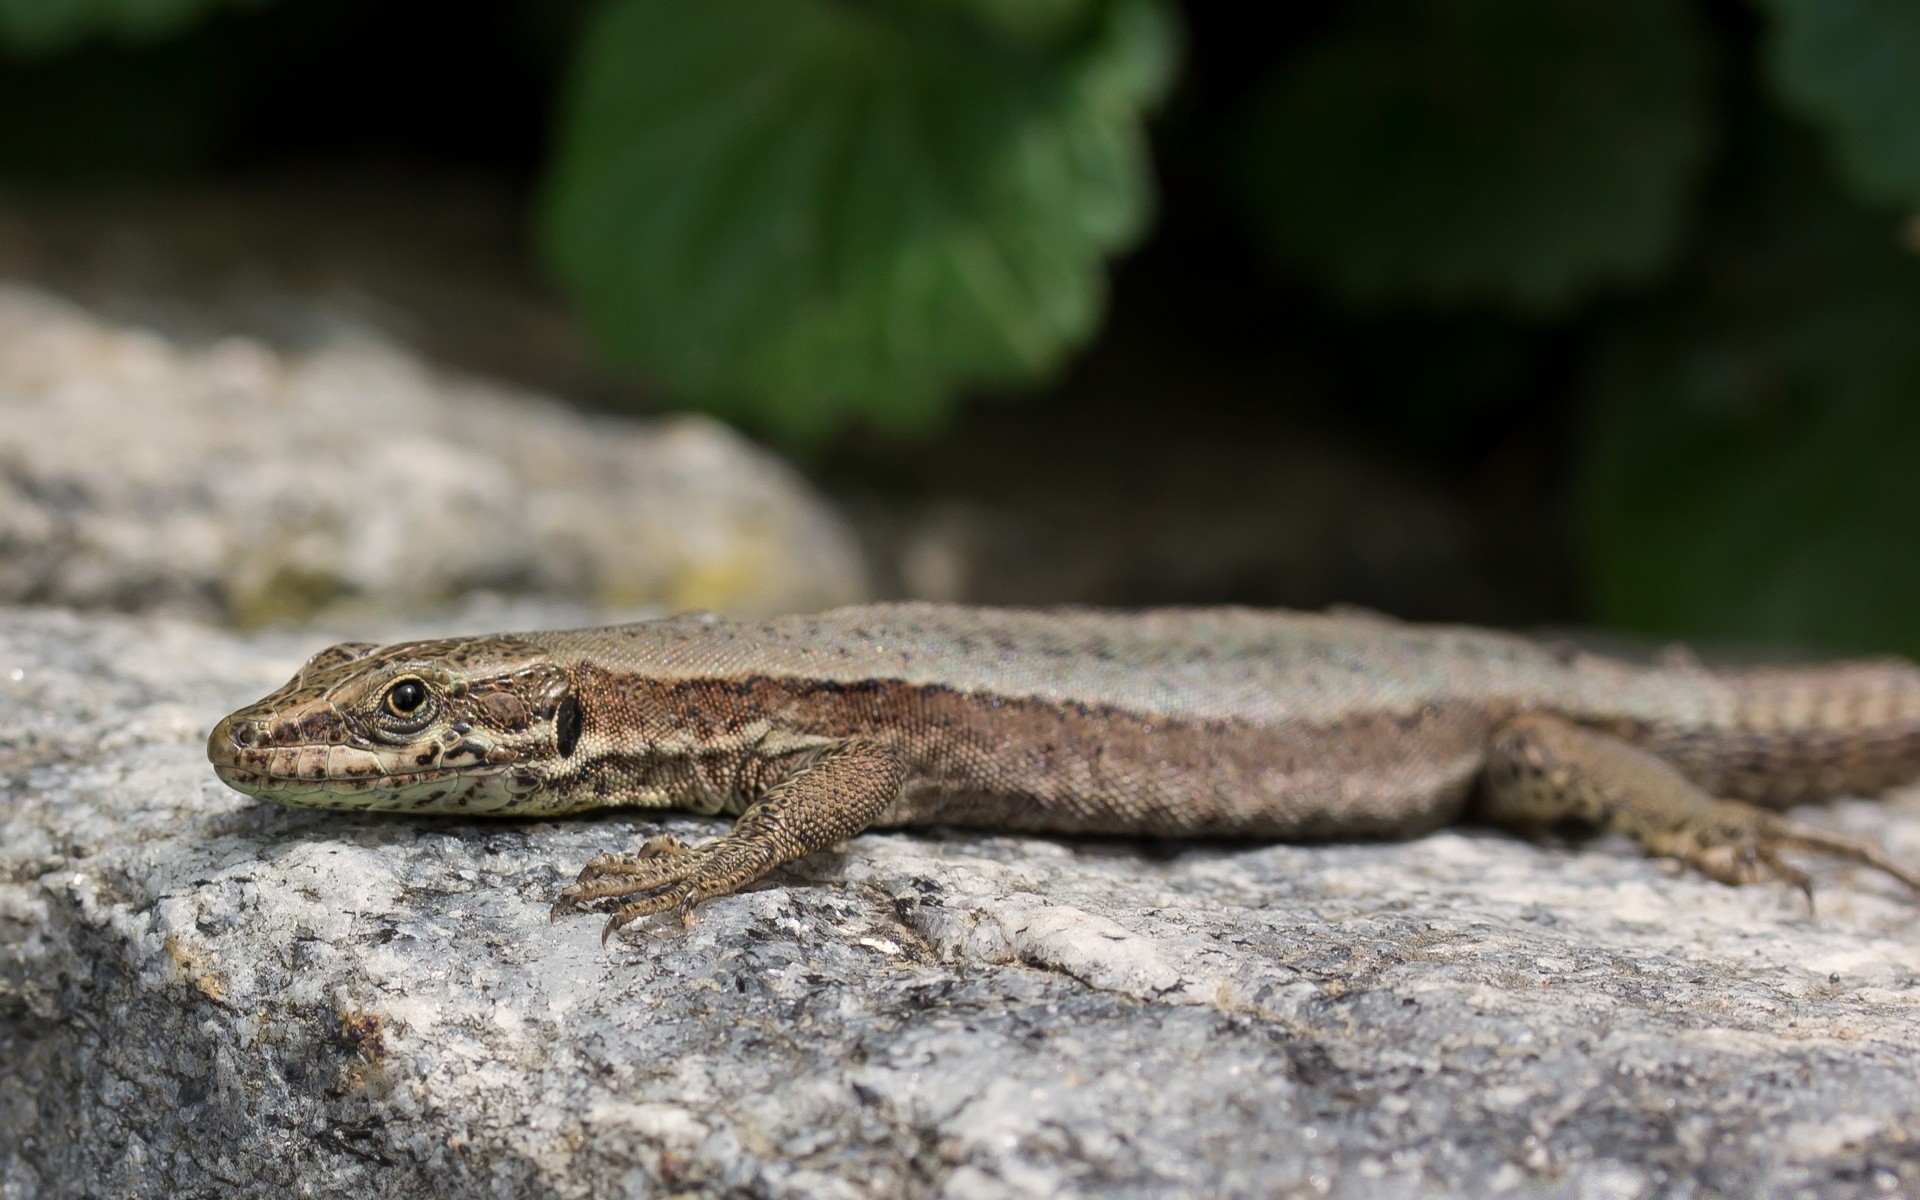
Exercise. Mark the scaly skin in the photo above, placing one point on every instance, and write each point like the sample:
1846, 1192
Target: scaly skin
1214, 722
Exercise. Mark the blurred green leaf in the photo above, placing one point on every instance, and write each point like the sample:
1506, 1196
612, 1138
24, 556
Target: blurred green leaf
44, 26
800, 211
1854, 66
1757, 439
1518, 151
1036, 23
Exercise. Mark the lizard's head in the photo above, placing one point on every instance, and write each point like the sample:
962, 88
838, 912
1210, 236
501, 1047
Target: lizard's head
444, 726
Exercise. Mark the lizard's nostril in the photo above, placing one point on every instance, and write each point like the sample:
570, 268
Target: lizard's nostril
244, 733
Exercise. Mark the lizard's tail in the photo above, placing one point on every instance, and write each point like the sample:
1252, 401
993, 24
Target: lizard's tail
1783, 735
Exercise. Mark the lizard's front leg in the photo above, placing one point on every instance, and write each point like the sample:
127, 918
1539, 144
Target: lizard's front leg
832, 793
1542, 769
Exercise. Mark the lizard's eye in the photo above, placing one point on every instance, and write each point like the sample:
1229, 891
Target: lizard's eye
405, 698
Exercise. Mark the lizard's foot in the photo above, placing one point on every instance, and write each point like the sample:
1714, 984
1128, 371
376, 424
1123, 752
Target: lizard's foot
662, 861
1542, 769
662, 878
1734, 847
1738, 843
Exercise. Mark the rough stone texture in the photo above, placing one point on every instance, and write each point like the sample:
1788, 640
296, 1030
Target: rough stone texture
236, 482
201, 995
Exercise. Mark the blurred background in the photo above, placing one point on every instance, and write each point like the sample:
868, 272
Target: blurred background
1525, 312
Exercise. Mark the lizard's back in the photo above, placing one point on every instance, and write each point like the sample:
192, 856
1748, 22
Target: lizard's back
1212, 663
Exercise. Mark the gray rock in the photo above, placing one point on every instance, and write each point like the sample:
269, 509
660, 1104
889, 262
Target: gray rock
203, 995
237, 483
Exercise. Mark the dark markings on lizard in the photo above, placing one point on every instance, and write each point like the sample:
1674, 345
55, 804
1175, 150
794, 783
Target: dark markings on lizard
566, 726
1173, 723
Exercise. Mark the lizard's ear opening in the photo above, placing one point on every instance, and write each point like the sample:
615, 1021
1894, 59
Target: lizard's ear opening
566, 725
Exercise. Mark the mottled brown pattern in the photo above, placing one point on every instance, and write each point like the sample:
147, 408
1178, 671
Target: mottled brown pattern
1023, 764
1215, 722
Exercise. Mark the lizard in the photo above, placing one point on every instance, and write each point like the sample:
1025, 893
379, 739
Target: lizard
1168, 723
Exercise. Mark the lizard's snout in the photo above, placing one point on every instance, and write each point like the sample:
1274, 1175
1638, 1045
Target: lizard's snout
239, 742
233, 741
264, 743
229, 736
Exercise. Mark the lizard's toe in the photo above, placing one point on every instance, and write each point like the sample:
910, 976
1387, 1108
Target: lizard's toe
1730, 864
640, 861
677, 883
642, 879
1743, 861
661, 861
681, 896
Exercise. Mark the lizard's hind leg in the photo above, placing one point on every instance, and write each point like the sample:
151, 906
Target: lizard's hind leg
1542, 770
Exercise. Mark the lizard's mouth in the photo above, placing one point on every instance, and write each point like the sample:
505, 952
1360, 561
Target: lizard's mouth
247, 779
328, 774
458, 789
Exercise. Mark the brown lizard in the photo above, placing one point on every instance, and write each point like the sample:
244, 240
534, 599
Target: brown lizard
1173, 723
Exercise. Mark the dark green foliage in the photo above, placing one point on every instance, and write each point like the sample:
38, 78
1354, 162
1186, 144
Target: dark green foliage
1752, 469
800, 211
1518, 151
42, 26
1854, 65
116, 110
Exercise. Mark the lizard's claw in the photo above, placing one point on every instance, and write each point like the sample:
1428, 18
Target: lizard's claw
681, 895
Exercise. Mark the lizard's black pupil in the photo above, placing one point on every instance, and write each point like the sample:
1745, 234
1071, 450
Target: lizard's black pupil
406, 696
